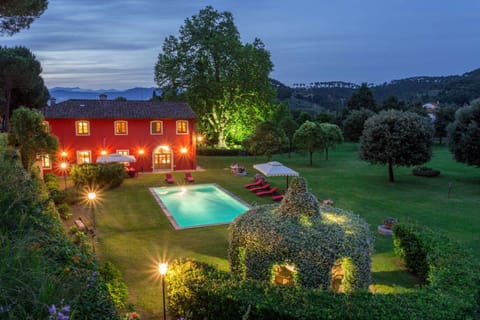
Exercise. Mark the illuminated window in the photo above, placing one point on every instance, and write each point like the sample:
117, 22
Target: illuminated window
45, 159
182, 126
84, 156
82, 128
124, 152
156, 127
121, 127
46, 126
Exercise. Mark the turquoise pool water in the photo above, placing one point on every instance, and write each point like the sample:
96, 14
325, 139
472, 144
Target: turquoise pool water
198, 205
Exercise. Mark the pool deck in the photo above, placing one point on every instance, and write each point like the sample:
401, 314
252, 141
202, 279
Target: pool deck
172, 220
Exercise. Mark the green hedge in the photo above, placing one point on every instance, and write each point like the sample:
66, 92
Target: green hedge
110, 175
220, 152
425, 172
199, 291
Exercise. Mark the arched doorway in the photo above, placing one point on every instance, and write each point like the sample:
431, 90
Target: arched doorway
284, 274
162, 158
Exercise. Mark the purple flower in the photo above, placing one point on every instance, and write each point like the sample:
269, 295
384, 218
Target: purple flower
61, 316
52, 309
66, 309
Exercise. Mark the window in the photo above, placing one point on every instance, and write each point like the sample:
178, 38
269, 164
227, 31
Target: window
124, 152
182, 127
84, 156
45, 159
156, 127
121, 127
82, 128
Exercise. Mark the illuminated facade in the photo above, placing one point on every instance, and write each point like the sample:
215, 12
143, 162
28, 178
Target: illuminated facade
161, 135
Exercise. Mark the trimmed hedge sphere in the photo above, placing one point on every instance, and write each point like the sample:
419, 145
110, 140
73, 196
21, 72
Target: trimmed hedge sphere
311, 242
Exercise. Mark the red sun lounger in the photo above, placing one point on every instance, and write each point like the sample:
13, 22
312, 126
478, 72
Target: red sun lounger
254, 184
264, 187
265, 193
278, 197
189, 177
169, 178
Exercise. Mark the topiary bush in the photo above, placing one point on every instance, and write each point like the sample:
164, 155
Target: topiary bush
451, 291
425, 172
303, 236
115, 285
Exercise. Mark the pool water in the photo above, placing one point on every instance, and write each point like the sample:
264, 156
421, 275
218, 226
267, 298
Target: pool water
198, 205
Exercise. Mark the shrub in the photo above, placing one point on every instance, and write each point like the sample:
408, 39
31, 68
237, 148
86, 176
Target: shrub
425, 172
109, 175
64, 211
203, 151
115, 285
53, 187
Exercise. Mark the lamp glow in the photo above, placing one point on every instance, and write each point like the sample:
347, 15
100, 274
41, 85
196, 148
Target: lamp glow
103, 152
92, 196
141, 151
64, 154
63, 165
162, 268
183, 150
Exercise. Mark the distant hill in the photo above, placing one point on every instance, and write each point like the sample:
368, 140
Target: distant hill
62, 94
333, 95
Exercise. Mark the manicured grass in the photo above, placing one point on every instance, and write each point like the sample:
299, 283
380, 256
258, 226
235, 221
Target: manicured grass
135, 235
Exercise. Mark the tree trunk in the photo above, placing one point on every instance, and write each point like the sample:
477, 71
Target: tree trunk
221, 139
311, 158
390, 171
6, 121
326, 153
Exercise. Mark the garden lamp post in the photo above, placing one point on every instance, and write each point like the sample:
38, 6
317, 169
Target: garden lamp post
91, 196
64, 166
162, 268
141, 152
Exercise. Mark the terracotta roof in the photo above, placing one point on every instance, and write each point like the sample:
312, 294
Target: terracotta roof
108, 109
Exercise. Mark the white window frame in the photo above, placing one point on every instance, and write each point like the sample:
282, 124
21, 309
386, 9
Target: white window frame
156, 133
115, 128
79, 152
76, 128
45, 159
176, 127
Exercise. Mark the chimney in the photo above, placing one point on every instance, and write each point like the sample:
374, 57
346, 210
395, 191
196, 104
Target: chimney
103, 96
53, 101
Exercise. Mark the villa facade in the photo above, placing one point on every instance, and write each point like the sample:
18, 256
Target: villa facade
160, 135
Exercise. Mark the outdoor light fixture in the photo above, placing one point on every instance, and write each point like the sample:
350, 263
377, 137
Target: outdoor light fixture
183, 150
64, 166
162, 268
91, 196
141, 152
103, 152
64, 154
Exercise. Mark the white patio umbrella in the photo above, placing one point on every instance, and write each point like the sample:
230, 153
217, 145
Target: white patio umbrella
275, 169
116, 157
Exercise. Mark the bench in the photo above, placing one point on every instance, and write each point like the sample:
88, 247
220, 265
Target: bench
80, 225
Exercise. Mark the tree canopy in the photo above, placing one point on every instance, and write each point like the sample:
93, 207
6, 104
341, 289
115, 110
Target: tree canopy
396, 138
464, 135
308, 137
331, 136
354, 123
20, 81
362, 98
267, 139
225, 81
29, 131
16, 15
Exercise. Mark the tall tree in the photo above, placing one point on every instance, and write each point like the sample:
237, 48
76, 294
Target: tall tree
267, 139
354, 123
443, 117
331, 136
29, 131
362, 98
290, 126
396, 138
309, 138
16, 15
464, 135
20, 80
224, 81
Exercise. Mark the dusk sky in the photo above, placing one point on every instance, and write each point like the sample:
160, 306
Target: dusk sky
103, 44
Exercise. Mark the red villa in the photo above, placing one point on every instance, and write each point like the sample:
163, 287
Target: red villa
161, 135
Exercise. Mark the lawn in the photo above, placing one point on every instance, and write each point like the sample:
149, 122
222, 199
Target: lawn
135, 235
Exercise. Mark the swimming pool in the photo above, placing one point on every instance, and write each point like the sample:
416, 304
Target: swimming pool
198, 205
